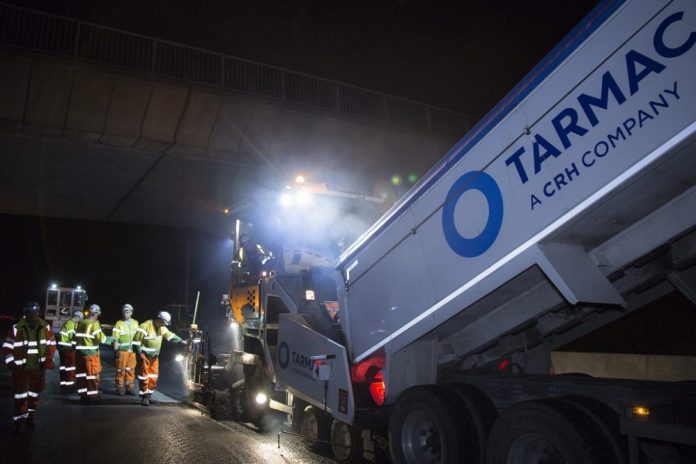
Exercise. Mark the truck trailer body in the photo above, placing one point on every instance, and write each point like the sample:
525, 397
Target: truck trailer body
568, 206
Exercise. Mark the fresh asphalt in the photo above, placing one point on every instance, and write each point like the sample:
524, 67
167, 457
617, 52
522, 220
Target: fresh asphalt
119, 430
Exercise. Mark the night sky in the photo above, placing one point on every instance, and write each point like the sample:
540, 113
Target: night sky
462, 55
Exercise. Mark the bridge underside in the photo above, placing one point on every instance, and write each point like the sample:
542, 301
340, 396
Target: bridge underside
80, 141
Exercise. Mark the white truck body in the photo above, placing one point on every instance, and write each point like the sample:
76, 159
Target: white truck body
533, 230
479, 217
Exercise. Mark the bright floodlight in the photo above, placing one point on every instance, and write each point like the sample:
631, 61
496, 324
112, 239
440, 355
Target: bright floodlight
286, 200
79, 287
54, 286
261, 398
179, 357
300, 179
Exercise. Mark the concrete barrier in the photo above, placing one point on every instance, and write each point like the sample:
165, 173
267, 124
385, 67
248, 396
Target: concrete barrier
626, 366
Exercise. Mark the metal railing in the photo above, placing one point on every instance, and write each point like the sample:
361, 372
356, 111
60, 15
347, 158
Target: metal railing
79, 40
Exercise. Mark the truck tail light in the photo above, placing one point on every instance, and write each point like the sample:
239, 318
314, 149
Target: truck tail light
377, 389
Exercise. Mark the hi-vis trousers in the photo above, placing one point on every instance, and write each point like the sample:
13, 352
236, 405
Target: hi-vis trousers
148, 371
88, 369
27, 384
125, 370
67, 369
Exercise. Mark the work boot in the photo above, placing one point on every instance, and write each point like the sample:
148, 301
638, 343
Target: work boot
145, 401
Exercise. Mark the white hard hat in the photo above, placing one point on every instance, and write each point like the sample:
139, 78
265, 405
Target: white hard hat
165, 317
95, 309
77, 314
127, 307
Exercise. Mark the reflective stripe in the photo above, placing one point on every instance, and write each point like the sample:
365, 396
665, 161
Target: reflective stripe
33, 343
65, 343
7, 345
70, 382
16, 344
152, 376
62, 383
142, 377
33, 394
33, 351
115, 331
42, 359
9, 358
62, 368
19, 362
19, 396
81, 375
81, 390
136, 343
92, 392
91, 377
21, 416
70, 368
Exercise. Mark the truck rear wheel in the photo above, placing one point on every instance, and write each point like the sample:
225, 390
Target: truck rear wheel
548, 431
315, 427
345, 443
424, 428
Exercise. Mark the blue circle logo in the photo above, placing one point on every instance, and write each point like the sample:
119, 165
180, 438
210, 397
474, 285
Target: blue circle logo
283, 355
484, 183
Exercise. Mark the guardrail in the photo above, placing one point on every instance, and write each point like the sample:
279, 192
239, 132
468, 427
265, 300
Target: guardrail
79, 40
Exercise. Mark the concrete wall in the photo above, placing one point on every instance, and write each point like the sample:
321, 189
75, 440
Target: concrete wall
626, 366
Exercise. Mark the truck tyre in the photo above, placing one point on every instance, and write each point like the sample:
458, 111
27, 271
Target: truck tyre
315, 427
549, 431
605, 422
476, 413
346, 444
424, 428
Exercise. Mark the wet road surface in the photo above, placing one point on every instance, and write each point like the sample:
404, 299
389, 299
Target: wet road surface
119, 430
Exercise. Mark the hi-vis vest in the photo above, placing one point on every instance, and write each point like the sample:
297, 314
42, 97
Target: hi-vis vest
31, 348
149, 341
123, 333
67, 333
88, 336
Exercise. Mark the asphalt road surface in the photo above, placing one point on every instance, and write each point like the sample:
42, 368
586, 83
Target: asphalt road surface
119, 430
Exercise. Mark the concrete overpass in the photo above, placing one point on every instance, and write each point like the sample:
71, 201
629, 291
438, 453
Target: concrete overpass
102, 124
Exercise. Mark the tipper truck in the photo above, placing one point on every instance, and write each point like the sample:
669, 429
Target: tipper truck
571, 204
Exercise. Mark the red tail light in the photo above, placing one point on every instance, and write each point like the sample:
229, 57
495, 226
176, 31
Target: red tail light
504, 364
377, 389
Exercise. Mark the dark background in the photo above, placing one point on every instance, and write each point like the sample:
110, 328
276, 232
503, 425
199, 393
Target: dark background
461, 55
